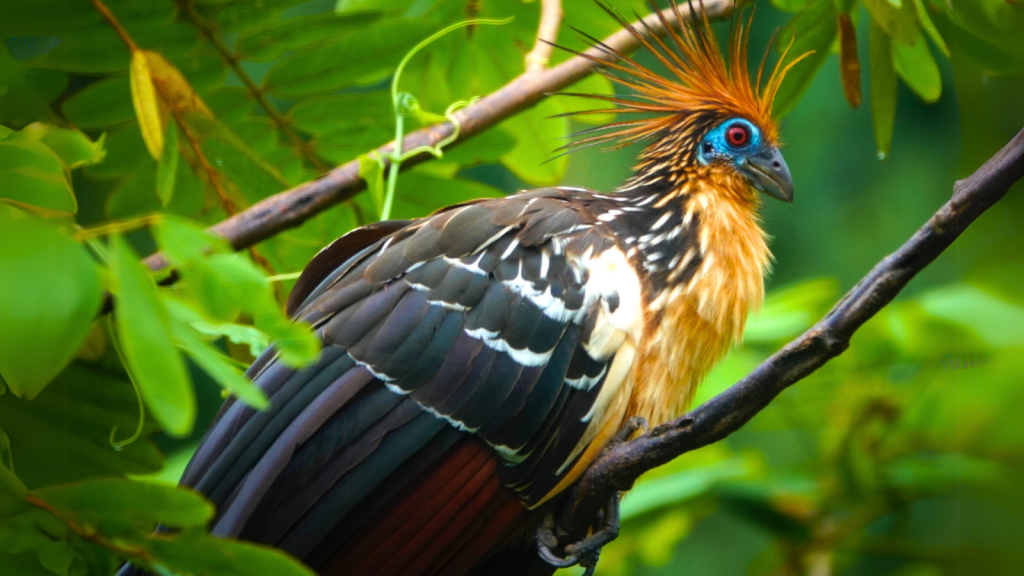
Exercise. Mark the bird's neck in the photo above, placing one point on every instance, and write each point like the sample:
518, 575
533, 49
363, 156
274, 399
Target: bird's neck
697, 243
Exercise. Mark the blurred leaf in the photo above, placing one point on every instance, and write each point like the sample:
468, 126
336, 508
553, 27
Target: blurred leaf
250, 336
783, 503
102, 401
849, 65
49, 296
101, 104
8, 479
815, 30
372, 172
486, 147
995, 320
673, 489
899, 20
222, 284
147, 107
845, 7
791, 5
299, 33
883, 89
938, 472
929, 27
144, 331
192, 553
142, 504
217, 365
331, 113
33, 176
916, 66
420, 194
167, 167
599, 86
537, 135
73, 147
789, 311
370, 54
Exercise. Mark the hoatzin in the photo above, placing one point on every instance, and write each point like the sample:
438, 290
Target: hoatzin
477, 360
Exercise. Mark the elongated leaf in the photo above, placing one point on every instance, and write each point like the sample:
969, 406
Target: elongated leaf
102, 104
103, 401
147, 106
849, 65
928, 25
299, 33
332, 113
32, 175
537, 136
167, 167
48, 297
143, 504
815, 30
371, 171
916, 66
883, 89
217, 365
898, 20
193, 553
73, 147
368, 54
144, 331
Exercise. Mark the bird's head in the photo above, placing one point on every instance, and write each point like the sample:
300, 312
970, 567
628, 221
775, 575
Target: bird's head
707, 117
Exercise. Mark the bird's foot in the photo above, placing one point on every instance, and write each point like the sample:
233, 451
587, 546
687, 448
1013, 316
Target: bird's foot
587, 551
628, 429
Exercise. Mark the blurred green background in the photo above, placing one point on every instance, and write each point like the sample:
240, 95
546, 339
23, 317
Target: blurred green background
903, 456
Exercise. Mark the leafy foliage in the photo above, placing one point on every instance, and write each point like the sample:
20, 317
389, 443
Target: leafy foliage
127, 134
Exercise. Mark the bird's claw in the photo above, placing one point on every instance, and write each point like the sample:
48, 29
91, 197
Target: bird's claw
587, 551
628, 429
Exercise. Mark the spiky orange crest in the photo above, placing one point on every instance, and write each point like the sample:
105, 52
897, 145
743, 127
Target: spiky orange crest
703, 80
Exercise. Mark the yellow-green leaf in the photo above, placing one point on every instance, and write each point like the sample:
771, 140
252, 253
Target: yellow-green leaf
916, 66
147, 106
883, 89
33, 176
537, 135
144, 333
814, 31
899, 21
371, 171
929, 27
49, 295
167, 167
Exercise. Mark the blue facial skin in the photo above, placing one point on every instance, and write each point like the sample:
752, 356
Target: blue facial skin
715, 147
759, 161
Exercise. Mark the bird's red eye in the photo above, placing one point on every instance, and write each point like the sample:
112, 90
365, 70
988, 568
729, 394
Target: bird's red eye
737, 135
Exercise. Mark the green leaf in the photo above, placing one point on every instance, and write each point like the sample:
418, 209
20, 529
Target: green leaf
49, 296
167, 166
343, 111
791, 5
250, 336
102, 104
142, 504
217, 365
483, 148
898, 21
683, 486
883, 89
72, 146
597, 85
815, 30
31, 174
8, 478
144, 331
916, 66
193, 553
420, 193
995, 320
124, 151
929, 27
372, 172
102, 402
299, 33
370, 54
537, 135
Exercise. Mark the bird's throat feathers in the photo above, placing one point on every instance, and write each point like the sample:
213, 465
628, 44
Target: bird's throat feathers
698, 243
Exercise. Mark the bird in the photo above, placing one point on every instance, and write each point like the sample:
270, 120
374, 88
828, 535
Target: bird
475, 361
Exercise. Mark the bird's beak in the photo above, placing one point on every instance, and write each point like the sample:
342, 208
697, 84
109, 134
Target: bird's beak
768, 173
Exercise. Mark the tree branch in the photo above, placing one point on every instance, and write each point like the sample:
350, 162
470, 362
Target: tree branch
293, 207
547, 32
619, 466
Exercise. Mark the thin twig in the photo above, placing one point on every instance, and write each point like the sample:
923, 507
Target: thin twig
293, 207
115, 24
619, 467
547, 33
